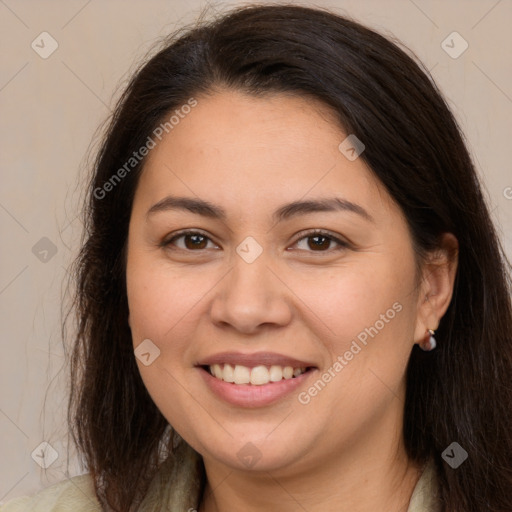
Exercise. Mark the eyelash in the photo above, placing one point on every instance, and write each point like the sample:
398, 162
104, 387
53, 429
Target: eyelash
304, 235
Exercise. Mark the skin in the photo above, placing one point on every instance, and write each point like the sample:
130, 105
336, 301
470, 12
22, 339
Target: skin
343, 450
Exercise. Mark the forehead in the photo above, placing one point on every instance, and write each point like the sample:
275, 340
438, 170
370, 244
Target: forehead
257, 152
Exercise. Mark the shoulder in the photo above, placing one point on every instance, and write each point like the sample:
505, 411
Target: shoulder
73, 495
424, 496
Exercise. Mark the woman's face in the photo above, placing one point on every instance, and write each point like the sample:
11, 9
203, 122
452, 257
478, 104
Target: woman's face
254, 290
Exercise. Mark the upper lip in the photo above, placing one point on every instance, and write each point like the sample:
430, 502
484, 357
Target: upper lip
252, 360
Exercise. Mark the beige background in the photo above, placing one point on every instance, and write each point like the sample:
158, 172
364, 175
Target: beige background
50, 109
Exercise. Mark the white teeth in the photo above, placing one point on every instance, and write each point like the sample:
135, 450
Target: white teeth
260, 375
229, 373
276, 373
241, 375
256, 376
287, 372
217, 371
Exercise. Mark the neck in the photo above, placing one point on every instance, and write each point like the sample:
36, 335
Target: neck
348, 482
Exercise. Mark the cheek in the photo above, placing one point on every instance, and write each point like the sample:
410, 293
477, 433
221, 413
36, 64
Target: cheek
160, 299
163, 305
348, 301
368, 317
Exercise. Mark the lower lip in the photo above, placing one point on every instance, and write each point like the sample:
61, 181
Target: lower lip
248, 395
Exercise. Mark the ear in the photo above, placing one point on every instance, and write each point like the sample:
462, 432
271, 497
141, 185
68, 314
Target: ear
436, 289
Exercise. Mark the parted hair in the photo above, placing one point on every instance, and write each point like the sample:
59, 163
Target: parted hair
460, 392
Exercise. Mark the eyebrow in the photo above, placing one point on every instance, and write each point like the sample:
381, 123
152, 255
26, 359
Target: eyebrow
285, 212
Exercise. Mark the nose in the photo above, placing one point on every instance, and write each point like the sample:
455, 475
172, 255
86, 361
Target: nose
250, 298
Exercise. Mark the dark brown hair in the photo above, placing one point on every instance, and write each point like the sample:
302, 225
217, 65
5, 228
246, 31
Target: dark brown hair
459, 392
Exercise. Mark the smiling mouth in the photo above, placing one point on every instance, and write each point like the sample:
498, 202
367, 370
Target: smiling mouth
256, 376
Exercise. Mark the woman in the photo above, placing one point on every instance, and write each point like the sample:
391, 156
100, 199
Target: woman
290, 295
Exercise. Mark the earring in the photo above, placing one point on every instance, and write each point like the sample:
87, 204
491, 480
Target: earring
429, 343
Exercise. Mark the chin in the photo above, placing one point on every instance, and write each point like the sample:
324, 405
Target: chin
252, 449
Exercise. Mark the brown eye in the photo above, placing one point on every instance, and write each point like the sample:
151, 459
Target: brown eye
189, 241
195, 241
318, 241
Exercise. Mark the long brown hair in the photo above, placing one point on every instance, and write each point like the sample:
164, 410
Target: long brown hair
459, 392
